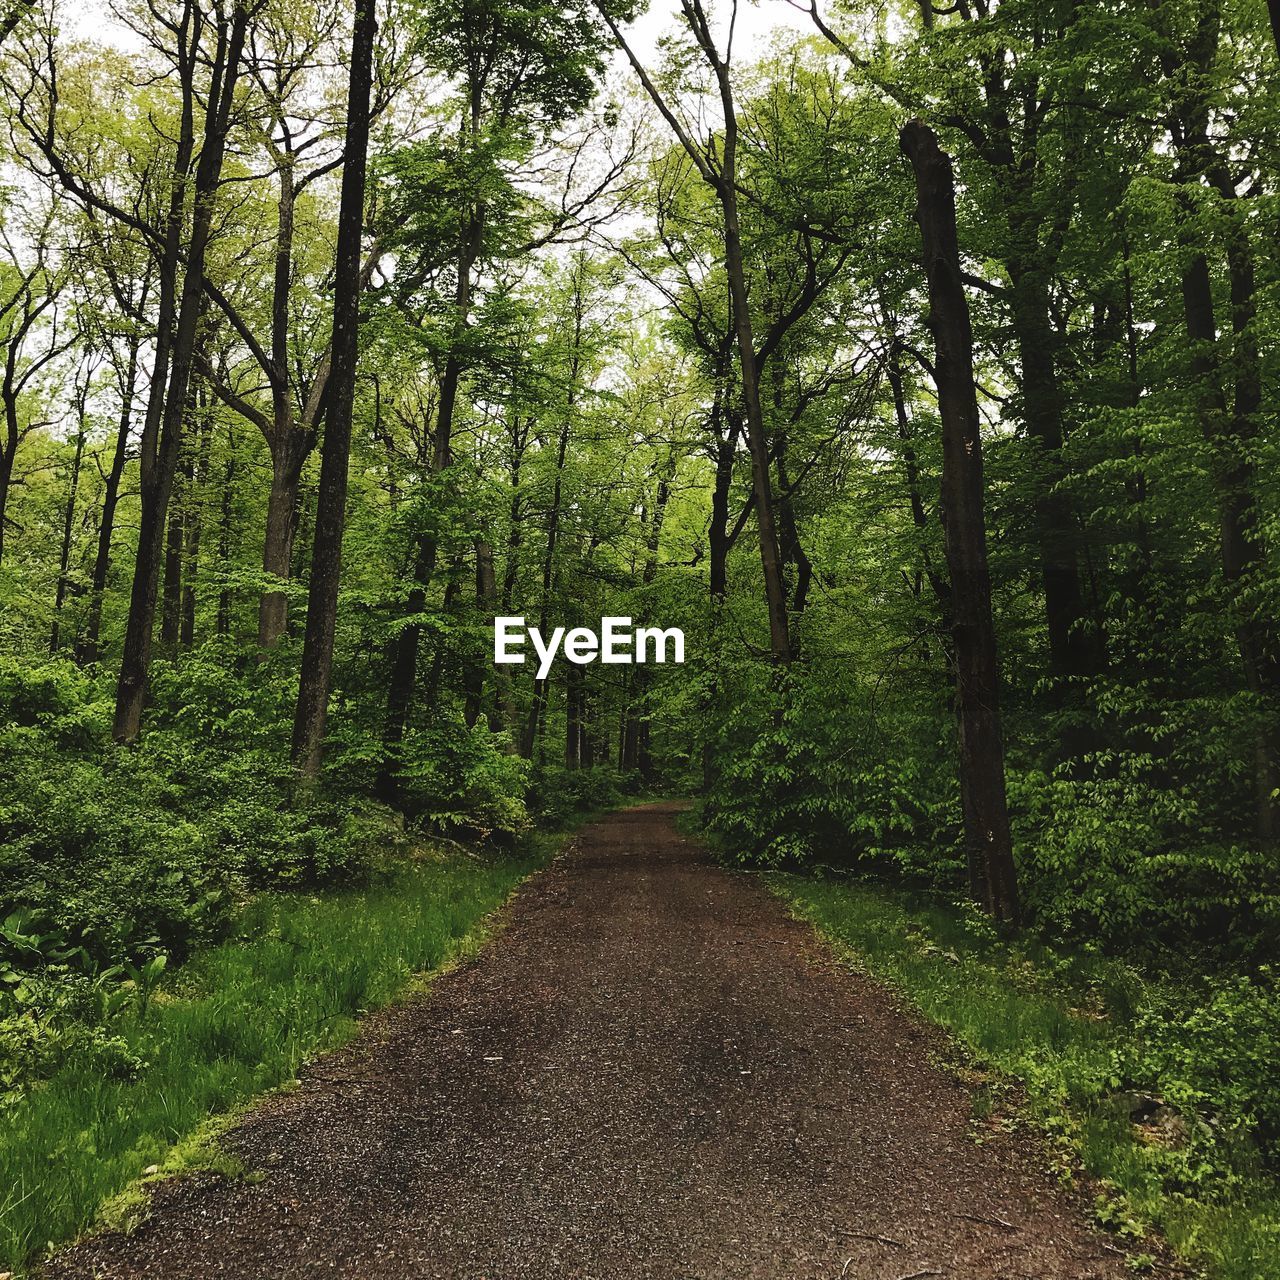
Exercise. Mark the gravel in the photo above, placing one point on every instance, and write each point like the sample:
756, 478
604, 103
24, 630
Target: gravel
651, 1071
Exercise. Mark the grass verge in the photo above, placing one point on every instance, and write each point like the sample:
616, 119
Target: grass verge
237, 1020
1061, 1023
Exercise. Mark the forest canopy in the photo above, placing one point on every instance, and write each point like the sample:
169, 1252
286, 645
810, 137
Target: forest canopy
649, 334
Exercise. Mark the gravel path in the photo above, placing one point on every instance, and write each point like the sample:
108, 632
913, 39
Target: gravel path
651, 1072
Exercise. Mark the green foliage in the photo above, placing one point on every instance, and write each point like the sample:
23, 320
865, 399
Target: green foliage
459, 779
120, 851
557, 795
1216, 1059
1088, 1037
803, 777
91, 1095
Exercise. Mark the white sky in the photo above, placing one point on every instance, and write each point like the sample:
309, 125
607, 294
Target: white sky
756, 22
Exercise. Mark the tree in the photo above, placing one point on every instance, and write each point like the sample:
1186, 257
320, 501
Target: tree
992, 877
326, 559
716, 163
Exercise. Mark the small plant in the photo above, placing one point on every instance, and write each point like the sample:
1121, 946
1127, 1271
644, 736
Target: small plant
145, 979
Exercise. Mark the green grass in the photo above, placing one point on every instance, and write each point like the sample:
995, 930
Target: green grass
237, 1020
1058, 1022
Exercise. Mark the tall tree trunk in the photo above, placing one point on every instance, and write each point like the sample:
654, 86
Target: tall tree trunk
718, 528
404, 648
290, 435
87, 646
1241, 549
287, 457
1228, 429
68, 527
326, 558
474, 676
1074, 649
162, 434
195, 528
223, 623
8, 453
529, 739
992, 875
757, 440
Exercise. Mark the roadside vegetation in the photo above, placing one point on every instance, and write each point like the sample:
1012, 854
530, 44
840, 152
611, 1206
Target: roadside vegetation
1159, 1084
107, 1069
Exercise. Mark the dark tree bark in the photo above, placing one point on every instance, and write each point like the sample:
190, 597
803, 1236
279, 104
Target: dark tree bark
718, 528
326, 558
1242, 554
223, 623
1012, 155
1074, 648
757, 440
87, 645
992, 875
1229, 426
162, 433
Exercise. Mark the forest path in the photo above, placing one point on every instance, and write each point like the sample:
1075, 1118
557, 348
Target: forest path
651, 1072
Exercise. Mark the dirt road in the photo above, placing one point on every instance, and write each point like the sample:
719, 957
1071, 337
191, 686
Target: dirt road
650, 1072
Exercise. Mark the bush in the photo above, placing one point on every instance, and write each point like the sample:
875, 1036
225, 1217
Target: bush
557, 794
457, 779
1115, 857
1217, 1059
119, 850
800, 780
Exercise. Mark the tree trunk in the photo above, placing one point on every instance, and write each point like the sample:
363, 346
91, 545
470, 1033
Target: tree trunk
163, 432
7, 455
404, 663
68, 525
1228, 434
194, 530
718, 528
1074, 650
277, 546
530, 738
87, 646
476, 666
757, 440
224, 536
171, 593
326, 558
992, 875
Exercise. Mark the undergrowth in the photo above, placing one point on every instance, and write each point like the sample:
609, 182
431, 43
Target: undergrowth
236, 1020
1150, 1085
